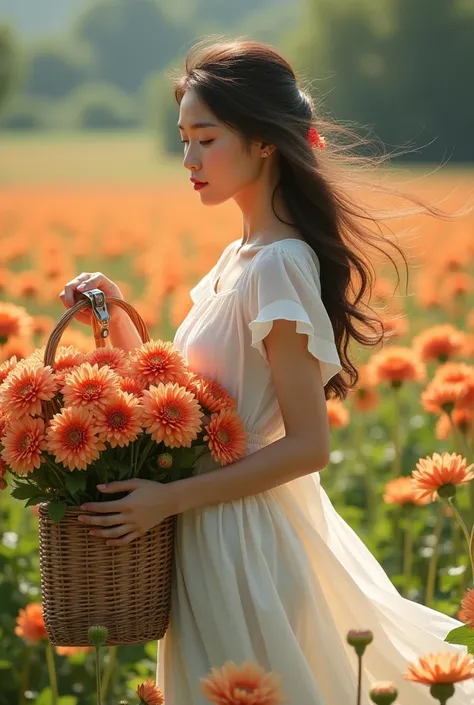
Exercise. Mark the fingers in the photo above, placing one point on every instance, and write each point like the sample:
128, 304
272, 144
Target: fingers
113, 533
104, 520
127, 538
67, 294
106, 507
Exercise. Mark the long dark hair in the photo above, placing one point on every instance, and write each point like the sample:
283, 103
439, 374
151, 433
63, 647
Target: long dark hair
252, 89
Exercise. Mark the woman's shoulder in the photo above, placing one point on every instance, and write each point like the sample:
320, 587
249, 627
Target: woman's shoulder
293, 251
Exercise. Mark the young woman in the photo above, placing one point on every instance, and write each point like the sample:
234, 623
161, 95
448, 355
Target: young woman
266, 570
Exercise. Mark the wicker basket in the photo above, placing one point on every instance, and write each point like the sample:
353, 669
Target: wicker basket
84, 582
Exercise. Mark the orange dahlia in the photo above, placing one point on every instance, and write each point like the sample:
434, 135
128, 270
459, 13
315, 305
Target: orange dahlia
439, 397
72, 438
131, 385
30, 624
338, 415
439, 342
149, 694
436, 472
24, 442
210, 394
365, 397
4, 421
247, 684
171, 414
6, 367
90, 387
158, 362
402, 490
73, 650
226, 436
14, 321
463, 420
453, 372
115, 358
25, 388
119, 422
444, 667
467, 608
397, 364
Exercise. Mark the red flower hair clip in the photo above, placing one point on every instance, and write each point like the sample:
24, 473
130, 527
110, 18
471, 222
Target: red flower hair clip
315, 139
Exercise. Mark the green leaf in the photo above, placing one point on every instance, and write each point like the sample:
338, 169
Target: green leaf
24, 491
462, 635
4, 664
75, 481
123, 470
56, 510
36, 500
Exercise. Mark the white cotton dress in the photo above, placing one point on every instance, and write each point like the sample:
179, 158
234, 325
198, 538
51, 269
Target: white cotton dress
279, 578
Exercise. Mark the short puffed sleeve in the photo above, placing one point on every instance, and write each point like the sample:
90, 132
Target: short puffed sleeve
285, 285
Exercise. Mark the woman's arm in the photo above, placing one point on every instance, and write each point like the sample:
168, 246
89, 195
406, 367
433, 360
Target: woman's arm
123, 333
304, 449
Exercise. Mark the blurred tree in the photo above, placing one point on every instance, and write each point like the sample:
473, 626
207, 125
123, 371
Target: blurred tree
130, 39
99, 106
25, 113
161, 111
8, 63
54, 69
398, 66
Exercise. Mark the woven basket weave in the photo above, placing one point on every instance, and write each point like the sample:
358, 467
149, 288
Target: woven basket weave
86, 583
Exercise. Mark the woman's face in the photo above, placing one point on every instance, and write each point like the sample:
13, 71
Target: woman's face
214, 154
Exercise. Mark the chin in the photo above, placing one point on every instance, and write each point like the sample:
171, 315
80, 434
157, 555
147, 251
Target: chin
210, 200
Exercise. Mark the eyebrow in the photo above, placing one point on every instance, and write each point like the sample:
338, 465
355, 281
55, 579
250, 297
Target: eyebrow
199, 124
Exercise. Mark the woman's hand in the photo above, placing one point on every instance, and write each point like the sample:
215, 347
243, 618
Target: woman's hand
86, 281
147, 504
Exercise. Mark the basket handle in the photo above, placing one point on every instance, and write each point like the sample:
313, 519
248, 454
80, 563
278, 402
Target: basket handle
100, 325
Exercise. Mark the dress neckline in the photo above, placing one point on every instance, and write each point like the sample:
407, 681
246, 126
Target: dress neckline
229, 249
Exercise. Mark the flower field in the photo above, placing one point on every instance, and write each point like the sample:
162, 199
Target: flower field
402, 443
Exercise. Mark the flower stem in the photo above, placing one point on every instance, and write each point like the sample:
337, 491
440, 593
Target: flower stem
97, 676
108, 671
148, 447
396, 434
52, 673
454, 506
407, 559
431, 583
359, 680
25, 675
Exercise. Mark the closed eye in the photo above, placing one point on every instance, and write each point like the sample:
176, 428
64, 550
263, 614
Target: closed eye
204, 142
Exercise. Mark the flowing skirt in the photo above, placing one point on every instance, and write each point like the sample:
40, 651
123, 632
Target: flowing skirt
279, 578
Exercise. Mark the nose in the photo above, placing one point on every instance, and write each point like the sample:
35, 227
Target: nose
190, 161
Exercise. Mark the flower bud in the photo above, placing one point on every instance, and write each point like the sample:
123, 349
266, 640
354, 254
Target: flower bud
165, 460
442, 691
383, 693
447, 491
359, 639
98, 636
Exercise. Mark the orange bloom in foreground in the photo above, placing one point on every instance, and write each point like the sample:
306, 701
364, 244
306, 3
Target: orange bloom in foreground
158, 361
442, 667
247, 684
149, 694
434, 472
467, 608
171, 414
338, 415
132, 385
226, 437
66, 359
71, 438
119, 422
210, 394
25, 388
90, 387
440, 396
115, 358
24, 442
402, 490
30, 623
397, 364
439, 342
